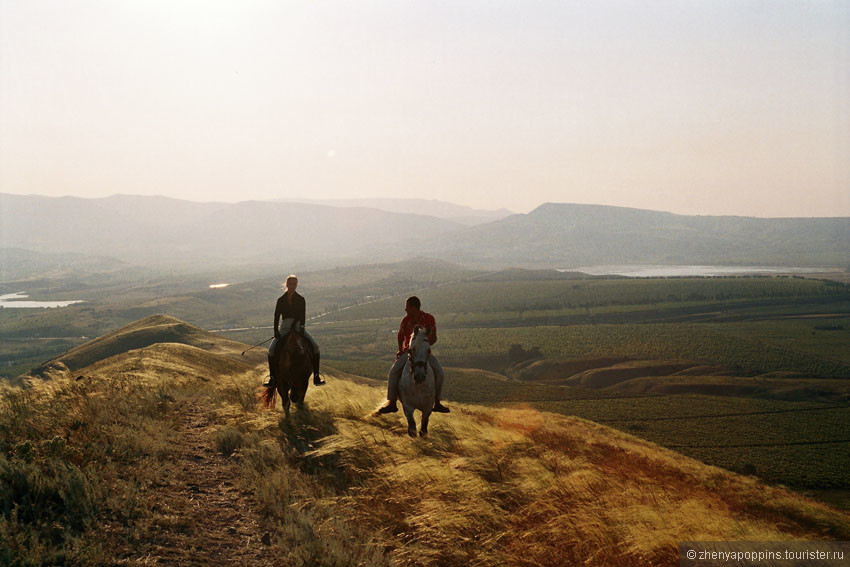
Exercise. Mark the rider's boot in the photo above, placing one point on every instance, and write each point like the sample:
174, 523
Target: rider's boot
439, 378
392, 389
269, 381
317, 380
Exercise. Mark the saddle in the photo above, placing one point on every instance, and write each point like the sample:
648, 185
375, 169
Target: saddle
308, 346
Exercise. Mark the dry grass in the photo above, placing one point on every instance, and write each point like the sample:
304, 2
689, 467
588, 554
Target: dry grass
515, 487
336, 485
78, 452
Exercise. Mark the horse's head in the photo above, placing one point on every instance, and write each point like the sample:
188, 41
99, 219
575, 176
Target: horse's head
420, 351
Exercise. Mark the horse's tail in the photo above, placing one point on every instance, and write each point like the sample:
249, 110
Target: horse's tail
268, 395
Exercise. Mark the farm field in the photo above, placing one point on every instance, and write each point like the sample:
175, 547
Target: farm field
826, 337
666, 341
482, 297
695, 342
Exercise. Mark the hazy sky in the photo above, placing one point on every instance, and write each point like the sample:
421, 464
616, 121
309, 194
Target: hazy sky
699, 107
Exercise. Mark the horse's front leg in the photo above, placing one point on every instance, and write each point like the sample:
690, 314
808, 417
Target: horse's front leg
283, 390
426, 415
411, 423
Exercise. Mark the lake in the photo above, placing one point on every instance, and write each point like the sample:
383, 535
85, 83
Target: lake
14, 301
654, 271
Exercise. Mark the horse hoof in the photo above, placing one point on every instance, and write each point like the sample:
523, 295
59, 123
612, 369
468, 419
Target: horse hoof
411, 432
423, 433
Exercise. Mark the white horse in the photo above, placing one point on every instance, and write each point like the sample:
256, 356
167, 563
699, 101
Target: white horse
416, 388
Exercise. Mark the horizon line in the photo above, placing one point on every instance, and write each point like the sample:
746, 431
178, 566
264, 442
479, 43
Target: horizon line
331, 199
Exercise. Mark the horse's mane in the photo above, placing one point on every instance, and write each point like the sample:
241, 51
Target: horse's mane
420, 330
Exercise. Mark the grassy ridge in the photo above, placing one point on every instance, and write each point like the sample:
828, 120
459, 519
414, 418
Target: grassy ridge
76, 456
145, 332
722, 430
333, 484
509, 312
519, 487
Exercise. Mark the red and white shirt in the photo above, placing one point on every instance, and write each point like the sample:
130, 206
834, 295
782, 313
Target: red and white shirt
409, 323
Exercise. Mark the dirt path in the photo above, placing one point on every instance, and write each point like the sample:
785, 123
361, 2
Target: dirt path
202, 516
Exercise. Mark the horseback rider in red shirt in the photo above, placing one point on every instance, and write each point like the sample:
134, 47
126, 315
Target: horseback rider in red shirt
415, 318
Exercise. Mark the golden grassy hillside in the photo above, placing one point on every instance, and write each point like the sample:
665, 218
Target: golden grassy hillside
145, 332
162, 455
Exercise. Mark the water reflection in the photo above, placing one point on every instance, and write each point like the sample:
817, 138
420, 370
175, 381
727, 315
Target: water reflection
13, 301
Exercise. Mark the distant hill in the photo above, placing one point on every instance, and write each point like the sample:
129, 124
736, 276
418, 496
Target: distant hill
572, 235
151, 330
431, 207
160, 231
170, 233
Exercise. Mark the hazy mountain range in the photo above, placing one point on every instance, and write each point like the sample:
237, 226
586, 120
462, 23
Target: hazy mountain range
431, 207
565, 235
160, 231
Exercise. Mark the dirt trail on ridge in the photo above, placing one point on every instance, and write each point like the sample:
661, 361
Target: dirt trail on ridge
202, 515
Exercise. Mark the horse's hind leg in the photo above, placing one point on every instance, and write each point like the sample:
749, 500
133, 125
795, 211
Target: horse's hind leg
411, 423
423, 431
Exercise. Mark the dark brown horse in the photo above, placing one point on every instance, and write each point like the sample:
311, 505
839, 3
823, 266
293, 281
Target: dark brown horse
294, 365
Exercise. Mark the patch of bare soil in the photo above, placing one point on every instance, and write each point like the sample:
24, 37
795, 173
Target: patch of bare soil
200, 514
